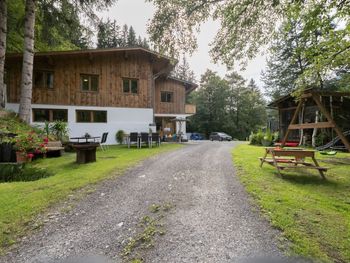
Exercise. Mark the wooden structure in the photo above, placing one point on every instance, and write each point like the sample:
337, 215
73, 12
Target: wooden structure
295, 159
86, 152
300, 115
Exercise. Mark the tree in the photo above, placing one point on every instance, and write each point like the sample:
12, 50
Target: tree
227, 105
28, 52
3, 32
131, 40
108, 34
245, 26
183, 71
285, 63
28, 58
210, 100
124, 36
248, 25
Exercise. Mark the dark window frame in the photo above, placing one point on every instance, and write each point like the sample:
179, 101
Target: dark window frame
89, 76
130, 88
50, 114
92, 116
167, 93
44, 79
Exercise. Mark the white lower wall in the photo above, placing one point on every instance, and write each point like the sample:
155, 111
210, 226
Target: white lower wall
127, 119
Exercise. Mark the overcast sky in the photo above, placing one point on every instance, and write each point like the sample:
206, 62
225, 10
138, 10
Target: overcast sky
137, 13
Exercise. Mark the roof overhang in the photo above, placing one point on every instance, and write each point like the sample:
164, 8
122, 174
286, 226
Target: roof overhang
190, 86
159, 61
309, 93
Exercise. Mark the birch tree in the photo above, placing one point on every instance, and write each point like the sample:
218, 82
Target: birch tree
3, 32
27, 64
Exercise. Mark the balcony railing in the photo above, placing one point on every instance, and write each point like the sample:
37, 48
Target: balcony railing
190, 109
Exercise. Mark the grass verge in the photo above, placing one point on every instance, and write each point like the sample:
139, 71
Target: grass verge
21, 202
314, 214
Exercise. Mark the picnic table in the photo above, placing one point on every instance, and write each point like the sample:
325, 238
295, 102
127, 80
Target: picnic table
292, 159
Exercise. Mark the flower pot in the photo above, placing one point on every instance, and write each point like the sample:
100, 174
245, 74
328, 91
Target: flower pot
266, 143
21, 157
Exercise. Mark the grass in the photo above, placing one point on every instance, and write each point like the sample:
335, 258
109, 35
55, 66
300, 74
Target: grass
149, 227
21, 202
313, 214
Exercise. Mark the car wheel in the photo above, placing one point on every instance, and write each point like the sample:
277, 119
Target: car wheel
221, 139
211, 139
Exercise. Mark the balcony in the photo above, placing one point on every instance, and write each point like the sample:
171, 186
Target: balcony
190, 109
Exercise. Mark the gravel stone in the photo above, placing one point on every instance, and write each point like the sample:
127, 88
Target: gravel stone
211, 219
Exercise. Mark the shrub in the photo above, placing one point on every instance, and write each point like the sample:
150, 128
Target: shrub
60, 130
263, 138
119, 136
13, 172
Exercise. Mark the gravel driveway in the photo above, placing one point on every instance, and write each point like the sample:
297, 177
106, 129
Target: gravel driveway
208, 216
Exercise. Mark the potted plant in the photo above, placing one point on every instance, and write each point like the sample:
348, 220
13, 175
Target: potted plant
267, 139
27, 145
119, 136
60, 130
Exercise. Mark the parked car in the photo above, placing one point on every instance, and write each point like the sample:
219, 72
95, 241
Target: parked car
196, 136
220, 136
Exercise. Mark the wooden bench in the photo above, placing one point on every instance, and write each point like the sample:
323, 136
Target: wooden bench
54, 148
292, 157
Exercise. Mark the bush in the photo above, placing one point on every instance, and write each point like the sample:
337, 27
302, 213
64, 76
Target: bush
119, 136
14, 172
263, 138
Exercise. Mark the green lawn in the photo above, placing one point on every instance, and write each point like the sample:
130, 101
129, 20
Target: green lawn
20, 202
314, 214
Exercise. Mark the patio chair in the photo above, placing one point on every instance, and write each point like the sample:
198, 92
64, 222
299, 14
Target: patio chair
103, 141
144, 139
133, 138
155, 139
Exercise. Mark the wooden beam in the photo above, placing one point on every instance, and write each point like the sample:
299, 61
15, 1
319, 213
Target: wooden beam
295, 116
311, 125
330, 119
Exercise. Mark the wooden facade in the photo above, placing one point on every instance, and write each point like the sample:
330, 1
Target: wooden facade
111, 67
178, 91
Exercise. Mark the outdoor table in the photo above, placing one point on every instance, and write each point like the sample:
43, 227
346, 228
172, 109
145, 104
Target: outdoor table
86, 152
85, 138
295, 157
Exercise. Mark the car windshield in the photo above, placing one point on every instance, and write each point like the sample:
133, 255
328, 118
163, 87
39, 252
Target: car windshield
222, 134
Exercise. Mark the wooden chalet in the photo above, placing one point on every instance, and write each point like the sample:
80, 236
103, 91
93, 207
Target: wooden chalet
102, 90
328, 111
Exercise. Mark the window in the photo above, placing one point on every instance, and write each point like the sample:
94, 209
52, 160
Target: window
166, 96
91, 116
130, 86
43, 79
89, 82
42, 115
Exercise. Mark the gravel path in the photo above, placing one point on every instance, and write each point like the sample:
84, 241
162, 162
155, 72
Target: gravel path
211, 219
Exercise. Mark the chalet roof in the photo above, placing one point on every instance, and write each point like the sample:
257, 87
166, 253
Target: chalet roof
91, 51
308, 93
163, 64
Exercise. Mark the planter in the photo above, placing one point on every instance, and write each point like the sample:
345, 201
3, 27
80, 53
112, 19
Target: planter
22, 157
7, 152
266, 143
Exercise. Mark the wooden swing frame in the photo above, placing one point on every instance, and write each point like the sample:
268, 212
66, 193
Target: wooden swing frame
330, 122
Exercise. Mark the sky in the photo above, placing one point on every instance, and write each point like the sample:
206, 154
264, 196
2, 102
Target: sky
137, 13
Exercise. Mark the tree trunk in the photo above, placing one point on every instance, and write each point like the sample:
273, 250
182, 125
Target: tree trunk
314, 133
3, 33
27, 66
